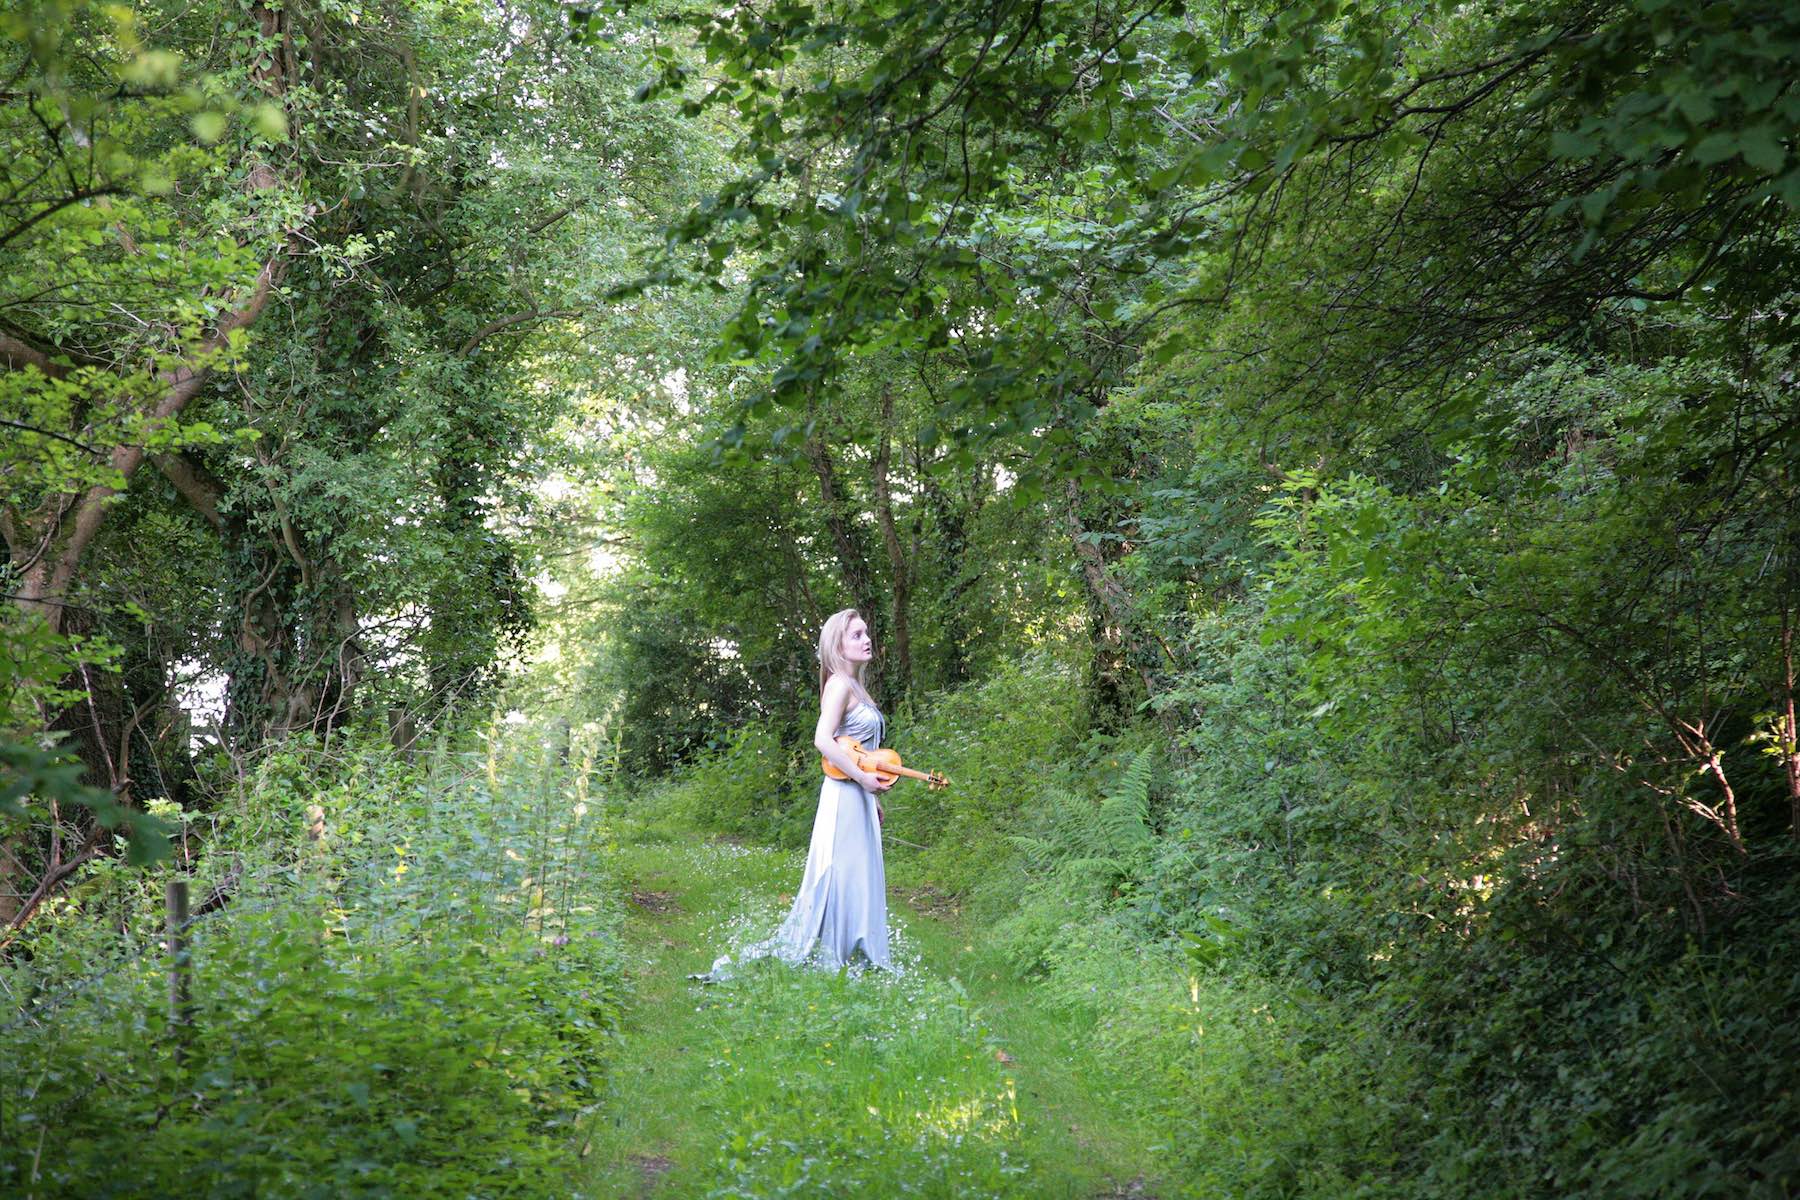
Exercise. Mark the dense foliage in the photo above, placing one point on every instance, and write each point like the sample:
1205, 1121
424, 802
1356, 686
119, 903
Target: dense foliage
1324, 481
270, 296
1436, 366
405, 981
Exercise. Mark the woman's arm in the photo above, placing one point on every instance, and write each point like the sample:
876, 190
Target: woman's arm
832, 703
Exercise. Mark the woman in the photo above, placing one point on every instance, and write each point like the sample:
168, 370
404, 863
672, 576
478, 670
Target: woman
841, 907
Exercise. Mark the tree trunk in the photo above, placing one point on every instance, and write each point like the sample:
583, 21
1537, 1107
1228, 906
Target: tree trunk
1119, 626
953, 515
1787, 722
849, 540
48, 545
902, 674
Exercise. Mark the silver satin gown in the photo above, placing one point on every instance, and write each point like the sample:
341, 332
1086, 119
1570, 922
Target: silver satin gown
841, 907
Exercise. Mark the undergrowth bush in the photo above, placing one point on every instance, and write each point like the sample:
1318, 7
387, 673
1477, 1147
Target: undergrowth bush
1333, 972
1323, 950
408, 988
742, 785
1000, 741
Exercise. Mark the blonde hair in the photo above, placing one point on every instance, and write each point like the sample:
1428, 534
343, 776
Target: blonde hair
831, 652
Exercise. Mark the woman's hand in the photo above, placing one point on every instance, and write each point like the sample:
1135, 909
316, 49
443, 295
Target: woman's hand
869, 781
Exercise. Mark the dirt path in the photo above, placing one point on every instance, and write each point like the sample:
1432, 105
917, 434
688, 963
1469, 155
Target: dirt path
946, 1082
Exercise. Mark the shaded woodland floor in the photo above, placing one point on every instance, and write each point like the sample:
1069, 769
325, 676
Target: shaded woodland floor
945, 1082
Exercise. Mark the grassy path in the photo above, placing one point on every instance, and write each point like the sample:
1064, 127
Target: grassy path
946, 1082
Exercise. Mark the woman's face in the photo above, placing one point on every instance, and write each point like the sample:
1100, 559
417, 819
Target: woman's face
857, 646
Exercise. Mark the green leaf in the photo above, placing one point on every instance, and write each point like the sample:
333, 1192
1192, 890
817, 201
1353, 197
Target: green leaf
270, 121
1715, 147
1566, 144
209, 127
1763, 150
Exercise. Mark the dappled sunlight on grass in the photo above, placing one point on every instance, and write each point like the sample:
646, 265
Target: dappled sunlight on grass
797, 1081
950, 1116
812, 1081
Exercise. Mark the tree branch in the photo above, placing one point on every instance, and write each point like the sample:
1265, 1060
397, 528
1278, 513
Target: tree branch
51, 433
18, 355
493, 327
21, 227
195, 483
548, 221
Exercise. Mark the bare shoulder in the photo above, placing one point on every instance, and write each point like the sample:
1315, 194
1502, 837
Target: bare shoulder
836, 696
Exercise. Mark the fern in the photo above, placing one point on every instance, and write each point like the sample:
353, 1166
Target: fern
1064, 818
1125, 813
1095, 845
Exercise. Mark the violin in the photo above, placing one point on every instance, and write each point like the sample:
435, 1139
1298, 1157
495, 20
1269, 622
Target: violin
885, 763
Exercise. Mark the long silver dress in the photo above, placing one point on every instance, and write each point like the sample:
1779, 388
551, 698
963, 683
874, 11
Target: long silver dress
841, 906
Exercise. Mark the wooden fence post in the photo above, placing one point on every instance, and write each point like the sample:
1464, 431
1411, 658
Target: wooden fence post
402, 733
180, 968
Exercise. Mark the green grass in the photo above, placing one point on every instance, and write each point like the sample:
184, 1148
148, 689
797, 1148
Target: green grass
944, 1082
